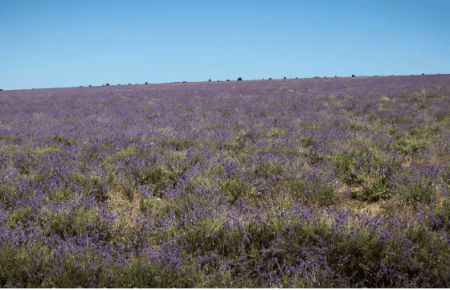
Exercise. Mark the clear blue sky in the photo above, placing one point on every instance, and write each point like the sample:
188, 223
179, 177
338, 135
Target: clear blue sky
64, 43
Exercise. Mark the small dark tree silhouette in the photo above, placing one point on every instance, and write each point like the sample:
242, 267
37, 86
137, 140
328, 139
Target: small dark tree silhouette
423, 74
146, 83
90, 86
129, 84
353, 76
284, 77
184, 82
228, 80
209, 80
239, 79
335, 76
107, 84
296, 78
270, 79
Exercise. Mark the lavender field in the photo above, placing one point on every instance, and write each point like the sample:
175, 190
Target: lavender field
324, 182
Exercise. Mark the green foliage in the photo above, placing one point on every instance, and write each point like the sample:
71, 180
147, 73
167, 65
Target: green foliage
395, 119
21, 215
63, 194
443, 118
177, 155
288, 151
216, 170
237, 145
356, 126
414, 141
386, 106
436, 129
376, 190
235, 188
177, 144
154, 175
419, 191
12, 138
241, 142
8, 193
129, 151
92, 185
75, 222
127, 190
265, 169
356, 168
357, 257
246, 241
13, 271
42, 150
444, 173
276, 131
313, 156
432, 253
308, 141
263, 114
422, 105
406, 146
418, 132
152, 116
392, 130
307, 125
148, 275
160, 177
62, 139
362, 255
209, 233
313, 191
348, 163
443, 215
111, 179
149, 204
372, 117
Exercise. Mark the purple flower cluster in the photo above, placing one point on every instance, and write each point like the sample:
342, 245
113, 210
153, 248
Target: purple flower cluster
247, 184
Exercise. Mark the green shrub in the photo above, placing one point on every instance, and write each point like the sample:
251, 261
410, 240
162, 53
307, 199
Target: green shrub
308, 141
378, 189
414, 192
235, 188
313, 191
266, 169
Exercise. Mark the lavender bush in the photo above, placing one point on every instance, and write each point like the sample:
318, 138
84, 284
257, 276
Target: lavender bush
285, 183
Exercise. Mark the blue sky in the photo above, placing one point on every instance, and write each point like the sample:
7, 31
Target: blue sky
64, 43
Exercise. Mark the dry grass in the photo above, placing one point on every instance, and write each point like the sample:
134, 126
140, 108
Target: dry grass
122, 198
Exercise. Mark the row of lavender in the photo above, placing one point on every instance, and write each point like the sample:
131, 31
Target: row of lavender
239, 79
236, 184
